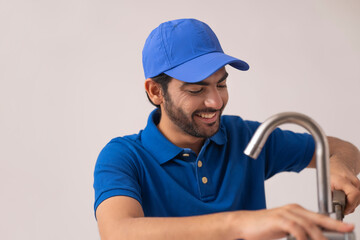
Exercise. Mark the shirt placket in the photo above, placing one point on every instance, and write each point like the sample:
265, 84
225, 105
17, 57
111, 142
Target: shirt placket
203, 174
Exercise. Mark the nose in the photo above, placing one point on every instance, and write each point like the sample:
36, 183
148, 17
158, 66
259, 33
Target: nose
214, 99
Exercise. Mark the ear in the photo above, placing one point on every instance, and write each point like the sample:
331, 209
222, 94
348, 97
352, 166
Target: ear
154, 91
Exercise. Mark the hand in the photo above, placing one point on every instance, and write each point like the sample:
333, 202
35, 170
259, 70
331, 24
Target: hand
343, 178
290, 219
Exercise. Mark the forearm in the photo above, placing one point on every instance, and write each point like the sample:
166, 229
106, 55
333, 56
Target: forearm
262, 224
344, 168
342, 152
345, 152
212, 226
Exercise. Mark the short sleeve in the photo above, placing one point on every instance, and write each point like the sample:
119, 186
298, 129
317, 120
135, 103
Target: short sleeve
285, 150
288, 151
116, 173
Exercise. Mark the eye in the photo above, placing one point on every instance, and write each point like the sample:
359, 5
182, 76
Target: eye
195, 91
222, 86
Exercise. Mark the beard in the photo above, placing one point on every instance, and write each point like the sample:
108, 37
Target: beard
187, 123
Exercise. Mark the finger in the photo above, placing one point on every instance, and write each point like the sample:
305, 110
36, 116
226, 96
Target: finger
355, 181
324, 221
352, 194
353, 200
335, 178
307, 226
338, 181
291, 227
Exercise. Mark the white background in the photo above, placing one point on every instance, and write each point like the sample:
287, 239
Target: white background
71, 79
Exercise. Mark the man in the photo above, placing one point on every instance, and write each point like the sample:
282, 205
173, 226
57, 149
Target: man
185, 175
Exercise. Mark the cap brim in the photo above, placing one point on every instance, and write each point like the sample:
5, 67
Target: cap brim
204, 66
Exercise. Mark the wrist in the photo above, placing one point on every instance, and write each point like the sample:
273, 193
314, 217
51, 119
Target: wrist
234, 225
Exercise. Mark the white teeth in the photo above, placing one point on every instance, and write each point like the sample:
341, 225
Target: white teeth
208, 115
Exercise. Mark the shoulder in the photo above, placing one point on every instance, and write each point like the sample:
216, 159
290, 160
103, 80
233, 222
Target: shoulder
120, 148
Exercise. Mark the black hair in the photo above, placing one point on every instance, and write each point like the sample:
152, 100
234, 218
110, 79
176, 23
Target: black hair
163, 80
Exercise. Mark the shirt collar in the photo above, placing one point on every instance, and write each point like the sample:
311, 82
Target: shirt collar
160, 147
220, 138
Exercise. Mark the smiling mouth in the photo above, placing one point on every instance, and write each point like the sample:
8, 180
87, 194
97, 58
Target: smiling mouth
209, 118
206, 115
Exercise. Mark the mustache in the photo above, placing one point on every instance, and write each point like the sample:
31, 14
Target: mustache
209, 110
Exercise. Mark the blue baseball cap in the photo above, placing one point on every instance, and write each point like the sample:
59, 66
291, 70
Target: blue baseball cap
185, 49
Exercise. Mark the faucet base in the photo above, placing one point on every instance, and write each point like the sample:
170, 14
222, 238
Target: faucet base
333, 236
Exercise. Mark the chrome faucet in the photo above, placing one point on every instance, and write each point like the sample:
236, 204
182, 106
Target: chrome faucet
325, 202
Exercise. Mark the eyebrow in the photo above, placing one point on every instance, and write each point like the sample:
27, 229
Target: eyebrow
205, 83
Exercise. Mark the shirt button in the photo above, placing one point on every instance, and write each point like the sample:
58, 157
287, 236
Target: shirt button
199, 163
204, 180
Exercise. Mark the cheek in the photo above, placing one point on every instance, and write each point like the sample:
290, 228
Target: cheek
189, 105
225, 97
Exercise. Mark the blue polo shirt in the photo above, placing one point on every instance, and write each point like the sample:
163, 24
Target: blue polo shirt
171, 181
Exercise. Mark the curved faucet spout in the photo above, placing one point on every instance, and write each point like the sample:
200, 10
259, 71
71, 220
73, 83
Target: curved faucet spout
321, 150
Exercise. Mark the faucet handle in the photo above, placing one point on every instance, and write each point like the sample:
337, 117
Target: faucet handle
339, 203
